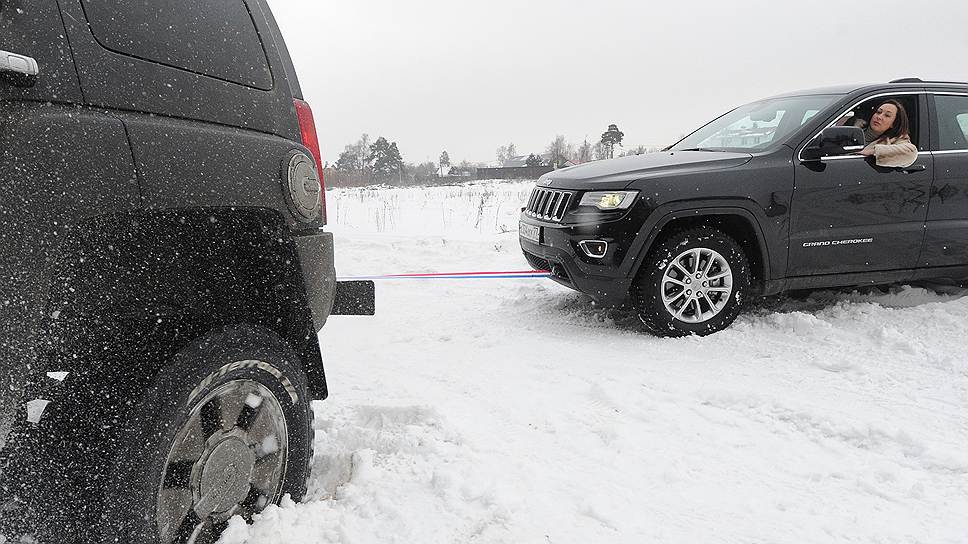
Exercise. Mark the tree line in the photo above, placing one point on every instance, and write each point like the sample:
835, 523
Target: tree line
369, 162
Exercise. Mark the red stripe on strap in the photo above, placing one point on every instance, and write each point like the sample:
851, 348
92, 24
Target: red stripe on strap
465, 274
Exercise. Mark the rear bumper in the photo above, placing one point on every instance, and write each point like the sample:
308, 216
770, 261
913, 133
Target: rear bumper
315, 252
559, 252
325, 295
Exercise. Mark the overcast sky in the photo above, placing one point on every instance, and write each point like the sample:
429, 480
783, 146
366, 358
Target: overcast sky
471, 76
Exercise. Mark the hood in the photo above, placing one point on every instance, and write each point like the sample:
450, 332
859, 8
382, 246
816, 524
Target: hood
618, 173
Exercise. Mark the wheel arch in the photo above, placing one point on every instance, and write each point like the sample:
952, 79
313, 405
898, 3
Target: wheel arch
737, 221
131, 290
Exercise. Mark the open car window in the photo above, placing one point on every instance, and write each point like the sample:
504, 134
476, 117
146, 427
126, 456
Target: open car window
860, 114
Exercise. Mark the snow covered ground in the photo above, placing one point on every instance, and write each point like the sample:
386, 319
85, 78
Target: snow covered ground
515, 411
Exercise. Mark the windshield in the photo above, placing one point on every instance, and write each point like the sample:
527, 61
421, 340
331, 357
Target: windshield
755, 126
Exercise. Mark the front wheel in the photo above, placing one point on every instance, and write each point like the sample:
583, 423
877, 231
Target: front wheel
693, 282
224, 430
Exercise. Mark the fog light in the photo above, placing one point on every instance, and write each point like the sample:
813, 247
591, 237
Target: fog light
594, 248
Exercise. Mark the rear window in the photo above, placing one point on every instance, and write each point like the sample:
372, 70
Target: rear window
215, 38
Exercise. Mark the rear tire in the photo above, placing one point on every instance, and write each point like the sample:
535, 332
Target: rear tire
224, 429
692, 282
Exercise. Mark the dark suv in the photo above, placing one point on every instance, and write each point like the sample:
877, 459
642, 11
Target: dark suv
164, 269
767, 198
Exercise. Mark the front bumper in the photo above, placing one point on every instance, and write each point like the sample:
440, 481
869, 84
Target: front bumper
558, 249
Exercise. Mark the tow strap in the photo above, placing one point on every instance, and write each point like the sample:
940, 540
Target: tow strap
356, 295
453, 276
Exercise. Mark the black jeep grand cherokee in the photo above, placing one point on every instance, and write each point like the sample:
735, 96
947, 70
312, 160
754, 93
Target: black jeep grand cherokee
766, 198
163, 269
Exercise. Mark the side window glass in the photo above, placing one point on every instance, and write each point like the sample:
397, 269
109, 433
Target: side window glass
215, 38
963, 124
952, 122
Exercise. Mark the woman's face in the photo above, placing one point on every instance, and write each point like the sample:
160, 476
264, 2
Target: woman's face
883, 118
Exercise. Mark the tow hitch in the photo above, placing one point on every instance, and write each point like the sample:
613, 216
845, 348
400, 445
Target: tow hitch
355, 298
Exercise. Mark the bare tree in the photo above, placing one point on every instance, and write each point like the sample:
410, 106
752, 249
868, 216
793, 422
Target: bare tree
363, 153
502, 155
512, 151
585, 152
599, 151
506, 152
559, 151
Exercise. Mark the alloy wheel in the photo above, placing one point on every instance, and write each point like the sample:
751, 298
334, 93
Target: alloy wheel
696, 285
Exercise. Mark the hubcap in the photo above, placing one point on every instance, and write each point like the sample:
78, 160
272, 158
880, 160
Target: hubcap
711, 270
229, 458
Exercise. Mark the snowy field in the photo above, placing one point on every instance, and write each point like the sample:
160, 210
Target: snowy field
515, 411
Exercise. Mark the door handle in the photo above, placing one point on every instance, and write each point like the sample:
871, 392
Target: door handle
18, 64
914, 168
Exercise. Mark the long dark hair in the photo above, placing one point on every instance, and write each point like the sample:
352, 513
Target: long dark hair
901, 125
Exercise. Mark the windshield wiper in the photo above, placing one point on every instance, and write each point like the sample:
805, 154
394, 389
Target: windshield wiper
711, 149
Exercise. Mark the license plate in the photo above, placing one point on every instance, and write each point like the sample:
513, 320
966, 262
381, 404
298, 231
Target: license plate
530, 232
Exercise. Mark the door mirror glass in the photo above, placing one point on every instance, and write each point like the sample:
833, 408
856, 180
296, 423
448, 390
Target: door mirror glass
835, 141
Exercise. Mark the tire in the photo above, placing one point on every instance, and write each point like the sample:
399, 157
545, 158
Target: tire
664, 293
224, 429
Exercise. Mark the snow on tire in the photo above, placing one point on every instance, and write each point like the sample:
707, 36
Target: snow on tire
692, 282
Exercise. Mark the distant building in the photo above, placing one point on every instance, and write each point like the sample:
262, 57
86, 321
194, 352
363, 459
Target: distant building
462, 171
515, 162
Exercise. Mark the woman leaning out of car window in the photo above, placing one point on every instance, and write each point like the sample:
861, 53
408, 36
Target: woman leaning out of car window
888, 136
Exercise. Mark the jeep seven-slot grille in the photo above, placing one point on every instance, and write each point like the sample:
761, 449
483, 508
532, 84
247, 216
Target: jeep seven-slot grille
548, 204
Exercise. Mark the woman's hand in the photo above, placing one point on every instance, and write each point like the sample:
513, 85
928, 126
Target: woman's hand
867, 151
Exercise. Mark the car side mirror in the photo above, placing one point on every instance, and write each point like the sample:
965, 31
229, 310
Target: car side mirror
835, 141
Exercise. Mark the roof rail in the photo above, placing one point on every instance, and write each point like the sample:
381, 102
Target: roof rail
919, 80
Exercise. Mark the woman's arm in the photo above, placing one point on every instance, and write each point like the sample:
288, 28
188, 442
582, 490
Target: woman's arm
899, 154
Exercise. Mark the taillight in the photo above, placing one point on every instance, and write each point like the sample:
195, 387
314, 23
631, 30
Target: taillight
307, 130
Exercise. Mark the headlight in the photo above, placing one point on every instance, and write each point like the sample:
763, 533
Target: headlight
609, 200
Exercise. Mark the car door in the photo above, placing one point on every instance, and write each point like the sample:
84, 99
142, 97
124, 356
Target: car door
946, 231
61, 165
849, 215
27, 29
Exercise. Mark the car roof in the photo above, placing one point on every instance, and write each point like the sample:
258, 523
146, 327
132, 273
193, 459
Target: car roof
911, 83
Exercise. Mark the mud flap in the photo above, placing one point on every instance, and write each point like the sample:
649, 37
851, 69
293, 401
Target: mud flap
354, 298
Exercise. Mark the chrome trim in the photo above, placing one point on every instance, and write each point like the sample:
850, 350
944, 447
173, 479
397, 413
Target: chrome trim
856, 156
854, 147
18, 64
841, 157
548, 204
950, 152
589, 252
859, 102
